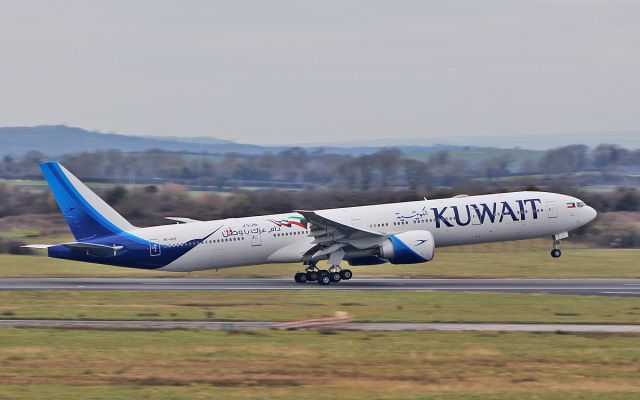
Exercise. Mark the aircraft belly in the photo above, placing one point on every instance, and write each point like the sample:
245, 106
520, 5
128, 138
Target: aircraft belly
213, 257
495, 232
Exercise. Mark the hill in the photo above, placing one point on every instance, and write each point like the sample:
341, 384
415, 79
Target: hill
56, 140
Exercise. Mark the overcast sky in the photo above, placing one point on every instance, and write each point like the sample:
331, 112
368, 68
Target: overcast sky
321, 71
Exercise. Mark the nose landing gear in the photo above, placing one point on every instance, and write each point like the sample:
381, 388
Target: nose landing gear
555, 253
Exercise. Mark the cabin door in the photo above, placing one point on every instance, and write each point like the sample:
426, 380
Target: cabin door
552, 210
256, 239
475, 219
154, 248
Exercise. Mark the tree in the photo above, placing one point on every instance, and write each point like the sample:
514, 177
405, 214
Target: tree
628, 200
565, 159
606, 155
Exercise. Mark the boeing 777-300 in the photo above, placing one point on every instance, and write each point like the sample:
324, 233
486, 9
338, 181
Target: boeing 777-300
397, 233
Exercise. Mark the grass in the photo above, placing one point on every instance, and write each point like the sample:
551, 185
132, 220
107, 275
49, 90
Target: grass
449, 263
364, 306
77, 364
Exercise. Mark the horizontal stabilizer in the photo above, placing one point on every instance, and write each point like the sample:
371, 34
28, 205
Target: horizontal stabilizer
91, 246
96, 248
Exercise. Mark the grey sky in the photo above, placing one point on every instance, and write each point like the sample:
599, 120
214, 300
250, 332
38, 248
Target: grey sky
320, 71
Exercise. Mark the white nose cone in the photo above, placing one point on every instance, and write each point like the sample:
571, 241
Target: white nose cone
590, 213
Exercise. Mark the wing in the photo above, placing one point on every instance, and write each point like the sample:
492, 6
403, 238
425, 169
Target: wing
331, 237
181, 220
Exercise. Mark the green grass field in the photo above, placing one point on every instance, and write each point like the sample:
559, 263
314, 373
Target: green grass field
450, 263
363, 305
92, 364
79, 364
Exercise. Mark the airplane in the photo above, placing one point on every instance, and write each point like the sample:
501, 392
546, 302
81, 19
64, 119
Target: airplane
396, 233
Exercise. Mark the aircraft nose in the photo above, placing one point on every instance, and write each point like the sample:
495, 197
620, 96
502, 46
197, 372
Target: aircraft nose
591, 213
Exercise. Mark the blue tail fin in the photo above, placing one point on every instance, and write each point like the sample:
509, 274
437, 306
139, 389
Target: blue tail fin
88, 216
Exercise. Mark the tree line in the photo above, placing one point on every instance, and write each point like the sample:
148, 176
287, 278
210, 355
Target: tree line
297, 168
616, 226
148, 204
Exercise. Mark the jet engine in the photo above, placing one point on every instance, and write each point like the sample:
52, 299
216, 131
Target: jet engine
411, 247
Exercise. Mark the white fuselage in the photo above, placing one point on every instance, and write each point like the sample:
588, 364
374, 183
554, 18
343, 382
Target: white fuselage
453, 221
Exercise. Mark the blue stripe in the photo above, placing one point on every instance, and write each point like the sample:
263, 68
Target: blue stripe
403, 254
89, 225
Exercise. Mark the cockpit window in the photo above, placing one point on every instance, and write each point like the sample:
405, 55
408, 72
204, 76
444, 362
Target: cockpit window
580, 204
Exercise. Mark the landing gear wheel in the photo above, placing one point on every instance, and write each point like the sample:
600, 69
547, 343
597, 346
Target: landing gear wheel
312, 276
555, 253
335, 276
324, 278
346, 274
300, 277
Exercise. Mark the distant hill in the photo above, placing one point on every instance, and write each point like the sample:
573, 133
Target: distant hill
630, 139
202, 140
55, 140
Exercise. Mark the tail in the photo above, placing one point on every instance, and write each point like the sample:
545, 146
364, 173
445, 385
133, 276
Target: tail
87, 214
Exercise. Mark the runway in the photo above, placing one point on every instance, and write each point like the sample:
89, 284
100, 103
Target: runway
374, 326
604, 287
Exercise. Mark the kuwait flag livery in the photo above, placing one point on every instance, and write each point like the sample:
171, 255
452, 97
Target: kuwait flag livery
571, 205
291, 221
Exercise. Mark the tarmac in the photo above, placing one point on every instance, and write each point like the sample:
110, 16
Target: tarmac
606, 287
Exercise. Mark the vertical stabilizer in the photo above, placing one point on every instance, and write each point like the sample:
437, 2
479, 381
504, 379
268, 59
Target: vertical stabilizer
87, 214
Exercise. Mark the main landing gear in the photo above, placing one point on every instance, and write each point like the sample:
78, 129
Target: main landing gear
324, 277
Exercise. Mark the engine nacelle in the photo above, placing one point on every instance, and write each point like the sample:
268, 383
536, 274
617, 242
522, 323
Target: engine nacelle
411, 247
